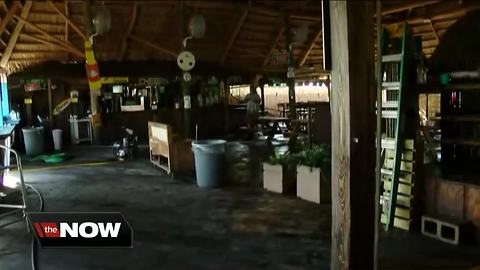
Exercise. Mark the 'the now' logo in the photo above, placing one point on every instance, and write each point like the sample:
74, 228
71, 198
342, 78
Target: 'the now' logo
85, 229
81, 229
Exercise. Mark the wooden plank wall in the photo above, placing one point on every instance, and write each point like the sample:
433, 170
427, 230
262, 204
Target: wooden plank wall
451, 199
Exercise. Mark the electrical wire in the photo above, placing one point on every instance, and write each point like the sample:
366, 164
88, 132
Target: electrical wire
34, 253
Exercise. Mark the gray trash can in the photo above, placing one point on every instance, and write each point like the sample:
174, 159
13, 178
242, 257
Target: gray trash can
34, 140
209, 162
57, 139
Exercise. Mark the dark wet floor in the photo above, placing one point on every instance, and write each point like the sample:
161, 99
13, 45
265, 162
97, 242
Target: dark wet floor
178, 226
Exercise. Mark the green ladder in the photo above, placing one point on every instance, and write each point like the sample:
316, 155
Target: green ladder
393, 115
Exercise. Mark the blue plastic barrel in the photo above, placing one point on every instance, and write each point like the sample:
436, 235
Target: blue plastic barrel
209, 162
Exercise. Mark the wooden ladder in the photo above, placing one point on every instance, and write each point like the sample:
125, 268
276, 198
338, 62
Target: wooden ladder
394, 68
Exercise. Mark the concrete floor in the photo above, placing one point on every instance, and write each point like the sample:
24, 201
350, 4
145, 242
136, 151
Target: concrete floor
178, 226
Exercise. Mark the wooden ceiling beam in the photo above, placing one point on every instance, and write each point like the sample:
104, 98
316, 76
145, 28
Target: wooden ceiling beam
310, 46
11, 11
249, 52
154, 46
63, 43
14, 37
273, 46
131, 26
447, 14
234, 35
74, 27
408, 6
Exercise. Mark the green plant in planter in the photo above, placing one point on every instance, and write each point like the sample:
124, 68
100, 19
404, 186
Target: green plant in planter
287, 158
319, 156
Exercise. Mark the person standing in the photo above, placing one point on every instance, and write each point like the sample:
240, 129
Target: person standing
253, 108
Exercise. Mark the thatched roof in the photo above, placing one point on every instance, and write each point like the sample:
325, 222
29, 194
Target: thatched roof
245, 35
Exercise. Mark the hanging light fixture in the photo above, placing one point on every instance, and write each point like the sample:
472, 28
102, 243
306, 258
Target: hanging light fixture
196, 27
102, 20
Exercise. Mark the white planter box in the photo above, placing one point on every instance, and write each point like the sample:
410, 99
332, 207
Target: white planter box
312, 186
272, 178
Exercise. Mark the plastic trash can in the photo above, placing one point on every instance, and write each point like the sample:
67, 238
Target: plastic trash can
57, 139
209, 162
34, 140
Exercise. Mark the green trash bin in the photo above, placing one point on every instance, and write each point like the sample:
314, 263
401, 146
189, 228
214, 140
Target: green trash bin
209, 162
34, 140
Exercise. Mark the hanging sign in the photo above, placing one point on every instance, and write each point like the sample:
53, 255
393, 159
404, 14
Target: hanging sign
152, 81
91, 66
114, 80
34, 85
187, 104
27, 101
74, 96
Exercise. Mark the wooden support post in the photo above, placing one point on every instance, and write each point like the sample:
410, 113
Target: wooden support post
94, 93
50, 103
16, 33
353, 126
186, 93
262, 95
378, 130
326, 46
290, 72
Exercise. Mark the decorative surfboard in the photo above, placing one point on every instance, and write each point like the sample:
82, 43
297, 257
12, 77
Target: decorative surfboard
62, 106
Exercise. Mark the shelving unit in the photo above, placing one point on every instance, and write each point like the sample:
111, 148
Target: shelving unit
460, 125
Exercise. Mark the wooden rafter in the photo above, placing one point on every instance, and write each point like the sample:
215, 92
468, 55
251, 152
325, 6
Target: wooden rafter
408, 6
74, 27
234, 35
75, 51
310, 46
131, 26
4, 6
14, 37
49, 43
446, 14
249, 52
154, 46
434, 30
66, 22
11, 11
274, 45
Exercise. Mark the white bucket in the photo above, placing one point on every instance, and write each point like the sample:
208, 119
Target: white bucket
57, 139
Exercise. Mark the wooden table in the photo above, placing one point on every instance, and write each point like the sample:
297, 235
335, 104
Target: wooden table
272, 122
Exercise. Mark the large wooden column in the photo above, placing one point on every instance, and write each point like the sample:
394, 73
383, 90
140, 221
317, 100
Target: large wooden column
353, 126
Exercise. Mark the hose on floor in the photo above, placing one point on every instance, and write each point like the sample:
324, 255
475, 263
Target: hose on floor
34, 251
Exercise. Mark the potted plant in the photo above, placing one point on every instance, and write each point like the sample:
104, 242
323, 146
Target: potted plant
279, 173
313, 174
